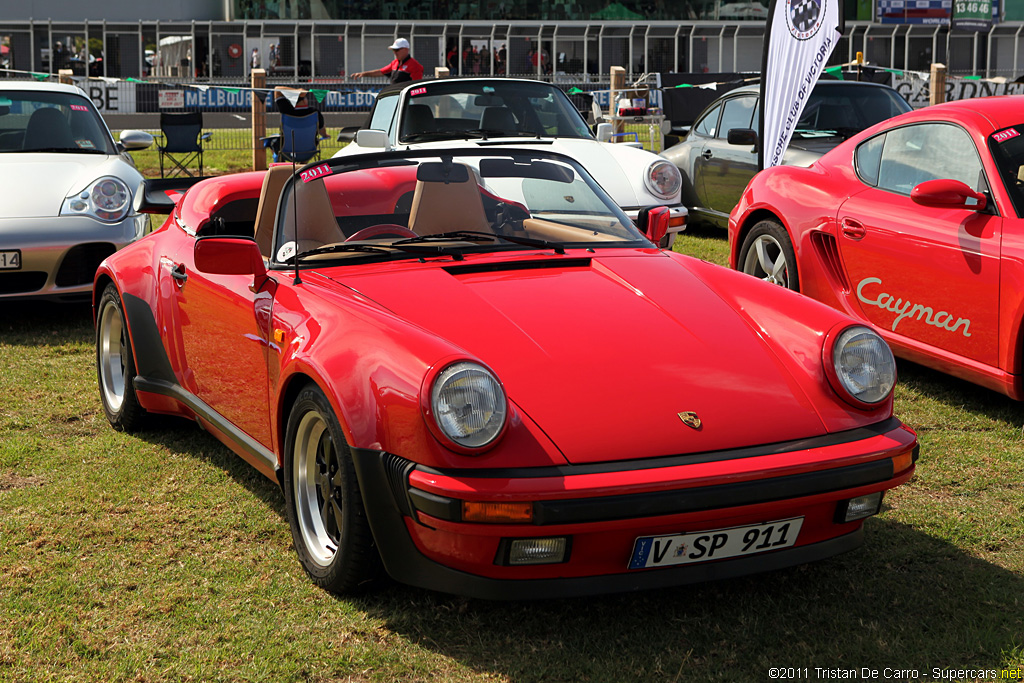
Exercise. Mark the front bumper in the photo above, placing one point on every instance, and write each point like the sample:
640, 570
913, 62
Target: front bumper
59, 255
602, 509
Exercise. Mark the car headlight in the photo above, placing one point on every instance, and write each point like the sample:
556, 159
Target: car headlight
106, 199
468, 405
862, 366
663, 179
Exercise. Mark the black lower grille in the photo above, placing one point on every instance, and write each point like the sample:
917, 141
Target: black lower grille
80, 263
22, 282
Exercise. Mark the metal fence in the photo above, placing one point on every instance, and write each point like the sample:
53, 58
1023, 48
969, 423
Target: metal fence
143, 68
326, 52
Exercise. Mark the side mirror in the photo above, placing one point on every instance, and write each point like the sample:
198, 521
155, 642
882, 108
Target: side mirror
229, 256
742, 136
373, 139
946, 193
604, 132
135, 139
653, 221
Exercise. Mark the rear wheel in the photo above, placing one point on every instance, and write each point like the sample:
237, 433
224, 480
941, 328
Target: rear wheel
115, 364
325, 508
767, 253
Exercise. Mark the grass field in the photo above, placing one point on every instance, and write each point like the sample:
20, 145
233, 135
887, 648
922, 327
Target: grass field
163, 557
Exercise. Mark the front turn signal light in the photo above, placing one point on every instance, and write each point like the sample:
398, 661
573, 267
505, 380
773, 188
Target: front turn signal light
497, 513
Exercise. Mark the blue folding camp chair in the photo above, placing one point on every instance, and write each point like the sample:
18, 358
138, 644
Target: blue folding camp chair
299, 140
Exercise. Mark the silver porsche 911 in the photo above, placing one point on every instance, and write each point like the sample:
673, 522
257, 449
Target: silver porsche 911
67, 191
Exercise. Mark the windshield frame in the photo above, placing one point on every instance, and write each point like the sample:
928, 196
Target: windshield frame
284, 230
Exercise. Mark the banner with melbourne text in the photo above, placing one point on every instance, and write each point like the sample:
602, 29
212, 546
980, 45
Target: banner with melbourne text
801, 35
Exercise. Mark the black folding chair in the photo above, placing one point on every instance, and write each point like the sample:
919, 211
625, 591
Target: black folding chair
183, 142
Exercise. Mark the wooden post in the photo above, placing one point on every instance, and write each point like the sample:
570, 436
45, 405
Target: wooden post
937, 84
259, 120
64, 76
441, 72
618, 79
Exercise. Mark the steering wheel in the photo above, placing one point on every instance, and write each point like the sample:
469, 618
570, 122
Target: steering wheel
382, 230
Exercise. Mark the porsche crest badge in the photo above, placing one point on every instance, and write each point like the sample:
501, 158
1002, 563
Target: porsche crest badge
690, 419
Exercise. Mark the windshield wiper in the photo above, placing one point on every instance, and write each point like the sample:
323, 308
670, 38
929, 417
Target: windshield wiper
339, 248
439, 135
60, 150
475, 235
383, 249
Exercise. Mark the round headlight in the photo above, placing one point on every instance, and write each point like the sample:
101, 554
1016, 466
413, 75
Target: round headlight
468, 405
863, 365
110, 195
663, 179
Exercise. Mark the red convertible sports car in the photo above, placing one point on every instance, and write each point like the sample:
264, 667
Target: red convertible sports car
454, 363
914, 226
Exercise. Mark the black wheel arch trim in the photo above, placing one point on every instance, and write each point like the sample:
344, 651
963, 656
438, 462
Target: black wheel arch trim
148, 348
405, 563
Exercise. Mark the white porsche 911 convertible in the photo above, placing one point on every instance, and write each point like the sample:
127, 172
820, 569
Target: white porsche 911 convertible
510, 112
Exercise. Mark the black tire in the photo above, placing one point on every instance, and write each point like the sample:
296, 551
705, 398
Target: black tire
325, 508
115, 365
767, 253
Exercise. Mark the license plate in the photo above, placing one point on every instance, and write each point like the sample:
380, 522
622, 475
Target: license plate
10, 260
718, 544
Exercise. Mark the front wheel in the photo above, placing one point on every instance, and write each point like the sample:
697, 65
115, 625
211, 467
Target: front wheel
115, 364
324, 506
767, 253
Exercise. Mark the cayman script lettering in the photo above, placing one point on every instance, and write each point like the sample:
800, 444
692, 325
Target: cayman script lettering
906, 309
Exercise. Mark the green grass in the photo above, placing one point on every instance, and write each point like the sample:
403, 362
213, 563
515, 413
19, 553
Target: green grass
163, 557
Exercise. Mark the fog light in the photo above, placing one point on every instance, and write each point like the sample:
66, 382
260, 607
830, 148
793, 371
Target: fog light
538, 550
859, 507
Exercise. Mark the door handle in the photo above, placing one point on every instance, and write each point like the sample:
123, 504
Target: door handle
707, 154
179, 274
853, 229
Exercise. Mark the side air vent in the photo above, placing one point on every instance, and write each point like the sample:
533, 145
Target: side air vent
397, 471
828, 252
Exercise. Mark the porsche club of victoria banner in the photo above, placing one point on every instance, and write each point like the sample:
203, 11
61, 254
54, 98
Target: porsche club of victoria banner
801, 36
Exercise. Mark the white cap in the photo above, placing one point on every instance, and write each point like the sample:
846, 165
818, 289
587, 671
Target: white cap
399, 44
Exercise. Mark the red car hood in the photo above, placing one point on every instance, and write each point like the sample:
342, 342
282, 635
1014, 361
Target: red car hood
606, 351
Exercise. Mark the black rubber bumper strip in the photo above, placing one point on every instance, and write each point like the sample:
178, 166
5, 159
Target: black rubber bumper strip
680, 500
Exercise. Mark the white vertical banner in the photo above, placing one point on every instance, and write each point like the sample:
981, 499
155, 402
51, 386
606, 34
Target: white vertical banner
801, 35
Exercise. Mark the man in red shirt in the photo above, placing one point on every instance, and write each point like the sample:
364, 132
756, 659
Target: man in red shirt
401, 69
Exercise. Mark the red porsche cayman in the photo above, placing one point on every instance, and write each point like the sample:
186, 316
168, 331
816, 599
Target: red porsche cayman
471, 369
914, 226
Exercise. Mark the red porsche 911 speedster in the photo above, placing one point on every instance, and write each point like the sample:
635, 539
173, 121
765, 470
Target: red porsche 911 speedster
471, 369
914, 226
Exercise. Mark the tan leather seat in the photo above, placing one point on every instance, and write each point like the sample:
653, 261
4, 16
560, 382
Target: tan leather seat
440, 207
317, 224
266, 212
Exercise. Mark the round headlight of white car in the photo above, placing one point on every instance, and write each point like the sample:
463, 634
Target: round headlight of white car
468, 405
110, 195
106, 199
663, 179
863, 365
